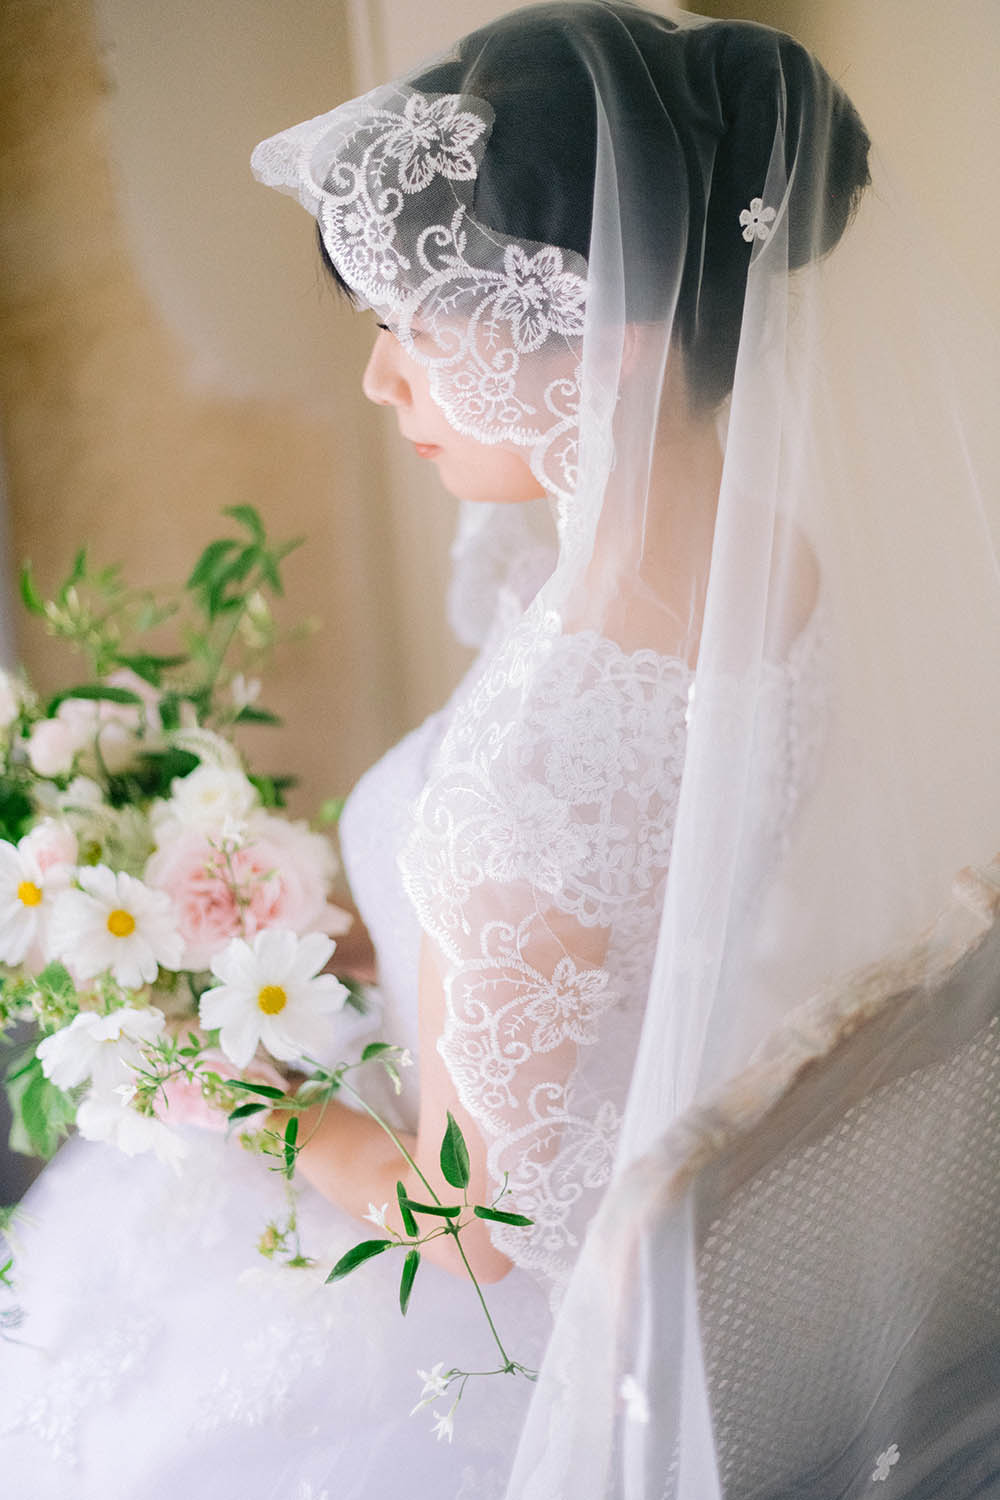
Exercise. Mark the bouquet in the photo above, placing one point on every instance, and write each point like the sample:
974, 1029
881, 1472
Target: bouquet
165, 927
163, 922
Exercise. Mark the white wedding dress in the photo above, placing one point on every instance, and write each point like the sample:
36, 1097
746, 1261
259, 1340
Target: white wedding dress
161, 1356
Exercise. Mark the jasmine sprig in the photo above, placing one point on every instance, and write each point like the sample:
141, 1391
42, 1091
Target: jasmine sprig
447, 1219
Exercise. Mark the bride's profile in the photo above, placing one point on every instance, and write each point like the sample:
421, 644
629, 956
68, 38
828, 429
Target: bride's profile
727, 558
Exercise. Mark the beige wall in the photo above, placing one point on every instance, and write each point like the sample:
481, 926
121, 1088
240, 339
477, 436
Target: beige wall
168, 346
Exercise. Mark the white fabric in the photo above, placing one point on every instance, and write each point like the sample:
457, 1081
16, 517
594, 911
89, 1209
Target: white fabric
161, 1356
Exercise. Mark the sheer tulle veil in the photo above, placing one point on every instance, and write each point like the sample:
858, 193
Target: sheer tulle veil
743, 739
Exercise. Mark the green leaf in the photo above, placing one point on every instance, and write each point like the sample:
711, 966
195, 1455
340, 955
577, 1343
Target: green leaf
205, 567
283, 548
357, 1257
291, 1136
439, 1210
266, 1089
355, 994
96, 692
151, 668
232, 571
410, 1265
497, 1216
272, 788
409, 1222
269, 570
170, 711
41, 1114
16, 811
56, 978
248, 517
454, 1155
375, 1049
249, 714
243, 1111
30, 596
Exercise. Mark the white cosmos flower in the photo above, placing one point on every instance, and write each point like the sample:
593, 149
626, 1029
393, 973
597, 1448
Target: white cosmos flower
27, 901
105, 1049
107, 1116
116, 922
272, 992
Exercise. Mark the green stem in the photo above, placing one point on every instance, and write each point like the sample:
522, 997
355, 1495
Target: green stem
250, 583
508, 1363
395, 1141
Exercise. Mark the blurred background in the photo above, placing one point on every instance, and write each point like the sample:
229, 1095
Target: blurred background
169, 345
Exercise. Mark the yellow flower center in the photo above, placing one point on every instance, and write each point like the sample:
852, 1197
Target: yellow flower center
121, 923
29, 893
272, 999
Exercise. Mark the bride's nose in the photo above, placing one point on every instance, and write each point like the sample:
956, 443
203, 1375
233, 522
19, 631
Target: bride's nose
384, 381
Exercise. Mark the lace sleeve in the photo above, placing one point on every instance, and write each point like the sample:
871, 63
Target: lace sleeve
535, 865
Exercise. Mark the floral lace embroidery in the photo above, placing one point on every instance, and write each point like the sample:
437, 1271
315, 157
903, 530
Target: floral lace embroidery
53, 1412
259, 1386
391, 184
536, 863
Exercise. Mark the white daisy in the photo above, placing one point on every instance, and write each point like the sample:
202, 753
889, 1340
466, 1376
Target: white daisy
272, 992
116, 922
27, 899
105, 1049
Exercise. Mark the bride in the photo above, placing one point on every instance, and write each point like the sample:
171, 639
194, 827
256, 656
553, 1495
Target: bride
722, 532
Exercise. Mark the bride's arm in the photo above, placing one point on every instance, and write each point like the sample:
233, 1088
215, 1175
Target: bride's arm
353, 1163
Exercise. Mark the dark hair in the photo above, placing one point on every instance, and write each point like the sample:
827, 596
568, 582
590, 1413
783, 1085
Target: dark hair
333, 268
701, 106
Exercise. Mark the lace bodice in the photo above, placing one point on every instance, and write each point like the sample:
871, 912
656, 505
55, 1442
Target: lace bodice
532, 822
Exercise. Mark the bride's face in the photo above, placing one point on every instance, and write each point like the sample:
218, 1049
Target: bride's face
469, 469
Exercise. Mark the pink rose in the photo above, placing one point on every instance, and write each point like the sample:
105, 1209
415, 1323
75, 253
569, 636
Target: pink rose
278, 878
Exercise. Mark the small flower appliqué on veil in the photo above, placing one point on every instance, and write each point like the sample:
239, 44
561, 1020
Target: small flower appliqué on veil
884, 1463
757, 220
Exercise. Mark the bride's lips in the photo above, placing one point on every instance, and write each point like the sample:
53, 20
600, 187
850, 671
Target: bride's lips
426, 450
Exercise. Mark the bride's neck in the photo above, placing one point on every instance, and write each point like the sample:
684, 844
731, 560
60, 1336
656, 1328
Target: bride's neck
653, 544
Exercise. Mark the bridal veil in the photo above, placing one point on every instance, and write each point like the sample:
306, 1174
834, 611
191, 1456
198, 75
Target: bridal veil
729, 762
